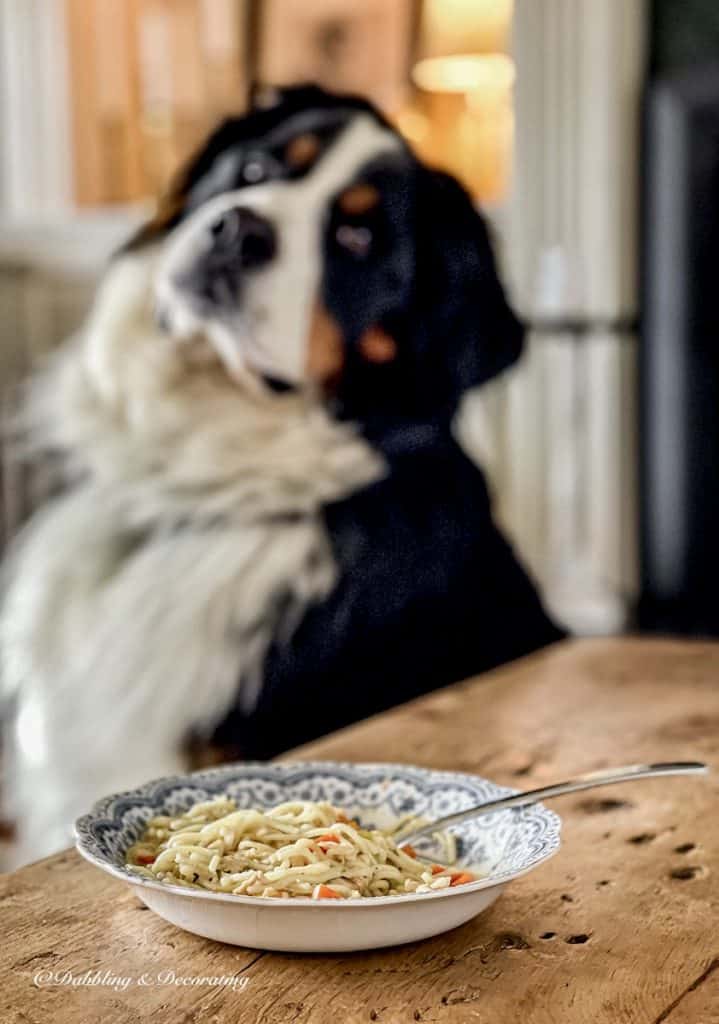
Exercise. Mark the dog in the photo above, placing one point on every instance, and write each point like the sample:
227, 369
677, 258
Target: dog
267, 528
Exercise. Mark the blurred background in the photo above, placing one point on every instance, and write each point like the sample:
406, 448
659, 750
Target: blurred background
589, 133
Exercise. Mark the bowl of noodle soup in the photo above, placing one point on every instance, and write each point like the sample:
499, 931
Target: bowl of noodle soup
301, 856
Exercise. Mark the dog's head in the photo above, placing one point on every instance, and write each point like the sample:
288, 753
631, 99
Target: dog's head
309, 244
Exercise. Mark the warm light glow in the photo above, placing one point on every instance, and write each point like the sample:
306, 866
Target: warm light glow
488, 72
461, 118
464, 26
413, 124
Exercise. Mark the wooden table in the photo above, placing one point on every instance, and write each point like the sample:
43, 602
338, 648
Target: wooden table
621, 926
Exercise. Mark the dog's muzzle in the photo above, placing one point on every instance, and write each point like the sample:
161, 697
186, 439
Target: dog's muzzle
236, 242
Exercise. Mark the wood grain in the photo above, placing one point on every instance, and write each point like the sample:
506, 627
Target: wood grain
148, 80
619, 927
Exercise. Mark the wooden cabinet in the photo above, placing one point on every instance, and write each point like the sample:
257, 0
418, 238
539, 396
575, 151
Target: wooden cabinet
148, 78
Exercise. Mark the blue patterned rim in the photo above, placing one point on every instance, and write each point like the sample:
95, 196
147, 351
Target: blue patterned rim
505, 844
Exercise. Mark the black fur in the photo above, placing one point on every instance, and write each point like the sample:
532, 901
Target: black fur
429, 590
430, 593
433, 287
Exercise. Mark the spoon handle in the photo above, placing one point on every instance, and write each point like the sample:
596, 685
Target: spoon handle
533, 796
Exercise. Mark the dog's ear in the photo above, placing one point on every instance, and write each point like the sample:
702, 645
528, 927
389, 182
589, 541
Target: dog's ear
468, 330
172, 202
167, 213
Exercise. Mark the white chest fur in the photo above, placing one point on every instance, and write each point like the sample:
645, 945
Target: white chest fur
141, 604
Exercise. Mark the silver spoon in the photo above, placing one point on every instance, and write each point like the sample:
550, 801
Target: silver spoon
533, 796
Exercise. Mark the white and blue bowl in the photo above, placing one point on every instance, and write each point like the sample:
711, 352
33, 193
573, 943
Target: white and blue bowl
502, 846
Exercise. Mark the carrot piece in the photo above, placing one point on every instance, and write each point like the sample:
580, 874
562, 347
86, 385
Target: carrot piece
341, 816
461, 878
324, 892
145, 858
409, 850
329, 838
437, 869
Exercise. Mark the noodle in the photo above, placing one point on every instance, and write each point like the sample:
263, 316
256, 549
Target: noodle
295, 849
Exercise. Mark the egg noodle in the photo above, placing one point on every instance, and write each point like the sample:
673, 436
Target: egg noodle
294, 849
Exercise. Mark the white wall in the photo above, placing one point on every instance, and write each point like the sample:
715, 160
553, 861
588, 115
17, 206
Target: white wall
35, 150
559, 435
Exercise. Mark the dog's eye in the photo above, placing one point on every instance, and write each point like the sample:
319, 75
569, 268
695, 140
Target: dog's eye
302, 151
355, 239
254, 170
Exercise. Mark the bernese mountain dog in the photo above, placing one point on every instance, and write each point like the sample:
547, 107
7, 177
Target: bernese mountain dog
267, 527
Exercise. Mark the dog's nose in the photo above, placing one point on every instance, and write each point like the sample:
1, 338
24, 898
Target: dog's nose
245, 235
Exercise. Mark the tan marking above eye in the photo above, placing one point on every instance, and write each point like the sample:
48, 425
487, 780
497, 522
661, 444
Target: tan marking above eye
376, 346
359, 199
302, 151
